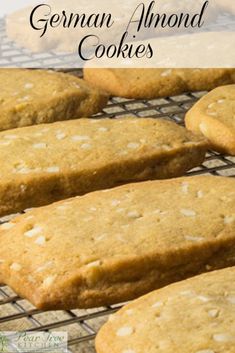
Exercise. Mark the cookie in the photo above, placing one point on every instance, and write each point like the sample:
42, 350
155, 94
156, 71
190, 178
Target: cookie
214, 117
114, 245
44, 163
155, 83
192, 316
29, 97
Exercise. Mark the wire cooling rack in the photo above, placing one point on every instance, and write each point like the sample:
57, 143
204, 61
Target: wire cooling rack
82, 325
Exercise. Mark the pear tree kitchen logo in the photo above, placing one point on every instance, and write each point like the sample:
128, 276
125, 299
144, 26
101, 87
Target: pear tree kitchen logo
33, 342
3, 343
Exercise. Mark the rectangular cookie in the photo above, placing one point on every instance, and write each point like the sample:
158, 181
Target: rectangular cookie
192, 316
155, 83
45, 163
29, 97
114, 245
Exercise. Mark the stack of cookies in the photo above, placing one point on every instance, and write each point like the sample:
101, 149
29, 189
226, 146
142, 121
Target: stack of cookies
112, 194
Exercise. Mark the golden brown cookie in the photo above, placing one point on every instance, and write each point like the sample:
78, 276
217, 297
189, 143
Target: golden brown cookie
44, 163
29, 97
192, 316
214, 117
114, 245
154, 83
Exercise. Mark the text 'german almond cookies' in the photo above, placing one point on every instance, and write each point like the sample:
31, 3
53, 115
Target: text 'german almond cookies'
214, 117
192, 316
29, 97
55, 28
44, 163
114, 245
154, 83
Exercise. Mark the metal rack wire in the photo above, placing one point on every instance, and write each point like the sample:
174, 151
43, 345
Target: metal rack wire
82, 325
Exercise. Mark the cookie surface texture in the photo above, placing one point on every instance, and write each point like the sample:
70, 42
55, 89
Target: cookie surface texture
45, 163
115, 245
192, 316
155, 83
214, 117
29, 97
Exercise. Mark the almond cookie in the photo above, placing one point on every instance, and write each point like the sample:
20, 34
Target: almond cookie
192, 316
214, 117
45, 163
114, 245
29, 97
155, 83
